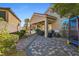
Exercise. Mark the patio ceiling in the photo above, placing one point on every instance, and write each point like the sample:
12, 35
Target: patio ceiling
40, 18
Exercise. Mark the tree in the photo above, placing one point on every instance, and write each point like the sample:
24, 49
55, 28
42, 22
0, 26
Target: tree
26, 22
7, 43
66, 9
26, 25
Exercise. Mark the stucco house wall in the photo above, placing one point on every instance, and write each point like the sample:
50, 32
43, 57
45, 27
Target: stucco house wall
11, 20
35, 22
57, 25
12, 23
38, 21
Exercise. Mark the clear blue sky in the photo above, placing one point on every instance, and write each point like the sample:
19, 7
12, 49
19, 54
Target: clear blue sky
25, 10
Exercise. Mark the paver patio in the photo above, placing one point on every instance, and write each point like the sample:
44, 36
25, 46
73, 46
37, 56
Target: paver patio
36, 45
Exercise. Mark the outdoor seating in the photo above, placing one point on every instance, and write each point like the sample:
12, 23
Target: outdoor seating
49, 34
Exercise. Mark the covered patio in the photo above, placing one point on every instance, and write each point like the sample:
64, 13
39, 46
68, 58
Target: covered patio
43, 22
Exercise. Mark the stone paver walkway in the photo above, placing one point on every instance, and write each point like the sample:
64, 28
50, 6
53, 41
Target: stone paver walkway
41, 46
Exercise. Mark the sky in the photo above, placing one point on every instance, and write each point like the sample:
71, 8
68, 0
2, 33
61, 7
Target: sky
26, 10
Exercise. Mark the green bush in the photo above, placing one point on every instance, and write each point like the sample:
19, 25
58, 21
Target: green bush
7, 42
21, 33
64, 34
1, 19
39, 32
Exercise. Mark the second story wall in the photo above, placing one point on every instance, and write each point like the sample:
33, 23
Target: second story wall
12, 19
13, 22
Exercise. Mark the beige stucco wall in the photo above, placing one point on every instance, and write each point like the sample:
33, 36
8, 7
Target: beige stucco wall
59, 19
49, 26
55, 25
43, 27
12, 23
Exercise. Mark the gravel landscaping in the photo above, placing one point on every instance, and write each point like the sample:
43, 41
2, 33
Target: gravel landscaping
36, 45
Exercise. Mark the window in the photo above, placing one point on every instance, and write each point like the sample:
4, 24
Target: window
3, 15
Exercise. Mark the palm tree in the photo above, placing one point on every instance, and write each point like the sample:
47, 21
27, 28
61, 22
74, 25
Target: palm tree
26, 25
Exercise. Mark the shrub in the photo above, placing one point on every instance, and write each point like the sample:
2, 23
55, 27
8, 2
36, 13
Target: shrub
1, 19
21, 33
7, 42
39, 32
64, 34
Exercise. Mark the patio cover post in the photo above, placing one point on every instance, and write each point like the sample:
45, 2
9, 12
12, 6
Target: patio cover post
29, 28
46, 27
36, 26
